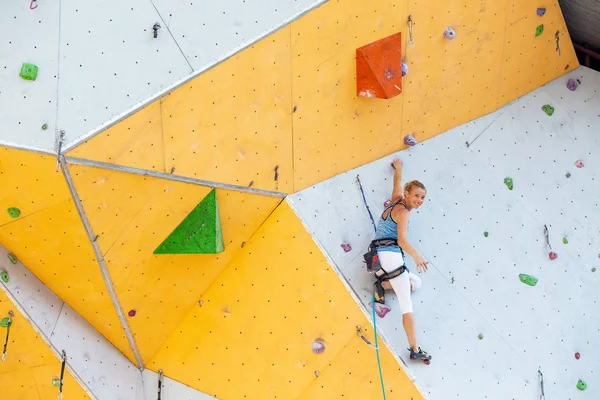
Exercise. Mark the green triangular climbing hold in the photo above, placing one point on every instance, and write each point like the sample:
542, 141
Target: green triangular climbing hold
199, 233
5, 322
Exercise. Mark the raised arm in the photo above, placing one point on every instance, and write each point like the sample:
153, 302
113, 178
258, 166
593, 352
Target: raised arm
401, 216
397, 192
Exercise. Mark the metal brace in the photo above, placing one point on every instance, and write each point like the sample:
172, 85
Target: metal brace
541, 376
547, 235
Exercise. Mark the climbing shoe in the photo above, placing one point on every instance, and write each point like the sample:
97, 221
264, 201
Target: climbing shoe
420, 355
379, 292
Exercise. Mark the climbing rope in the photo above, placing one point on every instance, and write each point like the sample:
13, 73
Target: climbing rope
377, 349
365, 201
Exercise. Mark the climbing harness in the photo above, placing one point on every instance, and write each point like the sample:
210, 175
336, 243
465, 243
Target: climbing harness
11, 314
365, 201
541, 376
411, 40
160, 377
62, 374
557, 36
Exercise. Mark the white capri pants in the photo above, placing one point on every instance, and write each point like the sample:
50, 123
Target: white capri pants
401, 284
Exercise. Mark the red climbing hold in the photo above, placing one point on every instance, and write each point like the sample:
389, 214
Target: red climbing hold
131, 313
380, 309
426, 362
346, 247
579, 164
379, 68
577, 355
552, 255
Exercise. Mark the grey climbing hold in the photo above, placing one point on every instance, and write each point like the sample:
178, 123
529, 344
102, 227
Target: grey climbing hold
404, 68
594, 269
449, 33
548, 109
541, 11
318, 347
572, 85
568, 174
14, 212
410, 140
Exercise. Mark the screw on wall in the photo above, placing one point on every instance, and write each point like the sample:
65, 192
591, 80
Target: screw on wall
155, 28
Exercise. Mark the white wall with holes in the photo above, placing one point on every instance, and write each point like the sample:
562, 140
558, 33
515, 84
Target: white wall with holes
103, 371
472, 287
98, 60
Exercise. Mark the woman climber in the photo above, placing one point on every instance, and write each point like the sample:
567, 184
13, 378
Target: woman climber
391, 244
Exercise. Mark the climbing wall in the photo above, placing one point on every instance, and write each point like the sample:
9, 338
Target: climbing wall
90, 358
132, 215
488, 332
30, 366
252, 333
108, 60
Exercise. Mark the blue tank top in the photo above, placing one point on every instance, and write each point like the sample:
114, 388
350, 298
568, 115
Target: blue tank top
388, 229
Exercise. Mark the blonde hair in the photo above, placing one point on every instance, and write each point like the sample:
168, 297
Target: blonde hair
413, 184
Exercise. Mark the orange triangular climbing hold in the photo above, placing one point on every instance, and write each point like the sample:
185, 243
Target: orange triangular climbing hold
379, 68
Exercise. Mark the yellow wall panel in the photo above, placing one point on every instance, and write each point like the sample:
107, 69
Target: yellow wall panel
451, 82
29, 182
529, 61
30, 365
136, 142
334, 130
353, 374
53, 245
133, 214
252, 336
233, 124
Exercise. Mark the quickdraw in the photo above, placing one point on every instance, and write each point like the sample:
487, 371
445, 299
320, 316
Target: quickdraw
8, 325
411, 40
160, 378
62, 374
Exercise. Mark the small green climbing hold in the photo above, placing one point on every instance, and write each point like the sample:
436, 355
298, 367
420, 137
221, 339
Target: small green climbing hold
528, 279
12, 258
539, 30
56, 382
14, 212
548, 109
4, 323
480, 336
4, 276
486, 234
565, 240
29, 72
581, 385
44, 127
509, 183
594, 269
